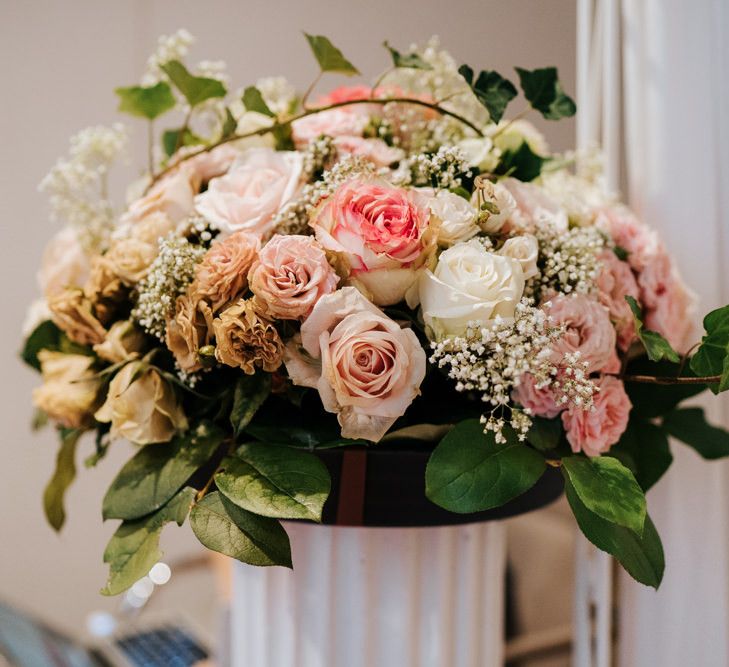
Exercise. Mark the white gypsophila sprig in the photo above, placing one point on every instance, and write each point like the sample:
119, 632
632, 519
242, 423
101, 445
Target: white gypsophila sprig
169, 276
441, 170
169, 47
78, 185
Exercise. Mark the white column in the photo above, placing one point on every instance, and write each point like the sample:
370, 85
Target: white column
390, 597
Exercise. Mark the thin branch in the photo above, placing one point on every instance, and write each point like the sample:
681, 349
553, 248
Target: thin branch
310, 89
667, 380
379, 80
518, 116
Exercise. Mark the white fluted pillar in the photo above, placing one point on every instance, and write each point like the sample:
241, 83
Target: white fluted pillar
391, 597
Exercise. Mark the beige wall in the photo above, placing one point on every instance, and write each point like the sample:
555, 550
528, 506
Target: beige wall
59, 63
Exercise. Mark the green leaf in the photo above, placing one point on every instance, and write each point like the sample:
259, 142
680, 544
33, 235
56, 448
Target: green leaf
196, 89
644, 449
545, 434
170, 140
329, 57
689, 425
494, 92
279, 482
656, 346
641, 556
146, 101
253, 101
158, 471
408, 60
63, 476
544, 92
250, 393
470, 472
522, 163
46, 336
712, 357
226, 528
607, 488
134, 547
230, 125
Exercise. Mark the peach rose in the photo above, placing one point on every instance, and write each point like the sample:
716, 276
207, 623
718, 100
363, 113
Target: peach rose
539, 401
614, 283
188, 330
255, 188
73, 314
595, 431
64, 264
172, 195
123, 342
222, 274
154, 227
374, 150
211, 164
587, 330
366, 368
291, 274
381, 233
130, 259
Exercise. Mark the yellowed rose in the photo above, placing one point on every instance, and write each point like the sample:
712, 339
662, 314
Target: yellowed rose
131, 258
189, 329
123, 342
72, 313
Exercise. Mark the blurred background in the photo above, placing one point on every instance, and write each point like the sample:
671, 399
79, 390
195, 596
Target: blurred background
60, 63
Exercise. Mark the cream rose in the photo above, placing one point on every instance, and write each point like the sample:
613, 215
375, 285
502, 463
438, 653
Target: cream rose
479, 153
64, 263
130, 259
469, 284
525, 250
123, 342
495, 205
258, 184
457, 218
366, 368
141, 406
173, 195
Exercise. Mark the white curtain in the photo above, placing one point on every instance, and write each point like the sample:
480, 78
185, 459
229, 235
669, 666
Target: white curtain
673, 158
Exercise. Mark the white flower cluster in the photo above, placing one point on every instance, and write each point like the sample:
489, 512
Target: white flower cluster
278, 94
78, 187
170, 274
169, 47
318, 155
442, 170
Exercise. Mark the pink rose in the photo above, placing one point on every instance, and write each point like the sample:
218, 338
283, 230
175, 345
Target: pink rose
214, 163
540, 401
64, 263
533, 206
629, 233
344, 94
255, 188
595, 431
366, 368
374, 150
381, 234
333, 123
173, 195
292, 273
614, 283
587, 330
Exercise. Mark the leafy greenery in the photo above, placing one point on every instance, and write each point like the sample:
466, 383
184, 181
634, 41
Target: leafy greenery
46, 336
253, 101
712, 357
171, 140
544, 93
522, 163
607, 488
329, 57
134, 547
689, 425
157, 472
274, 481
195, 89
407, 60
250, 393
641, 556
491, 89
656, 346
643, 449
470, 472
545, 434
146, 101
63, 476
228, 529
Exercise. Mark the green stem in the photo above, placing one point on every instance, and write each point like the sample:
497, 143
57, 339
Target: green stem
667, 380
310, 89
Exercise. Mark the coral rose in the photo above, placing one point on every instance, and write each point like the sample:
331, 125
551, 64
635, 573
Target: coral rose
291, 274
539, 401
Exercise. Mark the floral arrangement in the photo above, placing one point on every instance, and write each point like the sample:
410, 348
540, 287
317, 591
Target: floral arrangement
379, 264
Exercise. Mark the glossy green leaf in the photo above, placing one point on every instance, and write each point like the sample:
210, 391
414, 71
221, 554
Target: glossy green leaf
641, 556
146, 101
329, 57
494, 92
407, 60
253, 101
196, 89
545, 434
544, 93
689, 425
644, 450
46, 336
157, 472
274, 481
712, 357
656, 346
228, 529
134, 547
607, 488
63, 476
171, 140
522, 163
470, 472
250, 393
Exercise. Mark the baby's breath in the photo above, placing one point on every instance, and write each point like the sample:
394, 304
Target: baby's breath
444, 169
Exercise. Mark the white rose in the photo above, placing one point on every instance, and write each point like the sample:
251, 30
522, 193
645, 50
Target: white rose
501, 198
64, 263
257, 186
469, 284
510, 134
525, 250
479, 153
457, 216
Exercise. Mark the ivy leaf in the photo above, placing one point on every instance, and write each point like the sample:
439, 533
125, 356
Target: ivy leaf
407, 60
329, 57
274, 481
643, 448
607, 488
226, 528
522, 163
134, 547
470, 472
63, 476
158, 471
545, 434
46, 336
253, 101
230, 125
146, 101
656, 346
712, 358
689, 425
250, 393
493, 91
544, 92
196, 89
641, 556
171, 141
